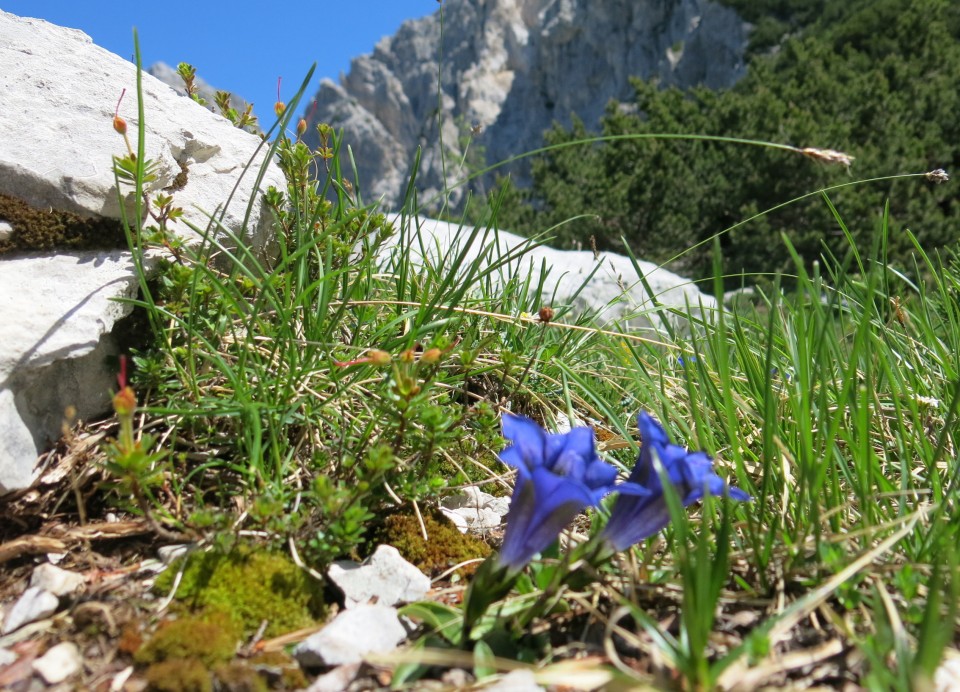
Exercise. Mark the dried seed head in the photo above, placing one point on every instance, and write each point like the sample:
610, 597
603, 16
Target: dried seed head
938, 176
827, 155
545, 314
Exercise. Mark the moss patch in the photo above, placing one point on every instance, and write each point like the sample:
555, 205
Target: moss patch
40, 229
249, 587
446, 547
209, 640
179, 676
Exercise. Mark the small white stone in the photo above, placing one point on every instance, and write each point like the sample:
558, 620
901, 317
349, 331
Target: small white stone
34, 604
499, 505
120, 679
351, 635
563, 423
60, 582
336, 680
481, 511
947, 676
516, 681
59, 663
6, 230
458, 520
385, 577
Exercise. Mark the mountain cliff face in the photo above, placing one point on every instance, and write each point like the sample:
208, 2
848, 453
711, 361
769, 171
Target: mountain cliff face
507, 70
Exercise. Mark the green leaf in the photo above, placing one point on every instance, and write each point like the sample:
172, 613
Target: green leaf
483, 661
445, 620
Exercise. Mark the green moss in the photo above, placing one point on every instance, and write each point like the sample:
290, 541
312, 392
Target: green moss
239, 676
179, 675
210, 640
40, 229
249, 587
446, 547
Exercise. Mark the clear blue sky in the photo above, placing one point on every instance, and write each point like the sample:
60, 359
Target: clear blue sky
239, 46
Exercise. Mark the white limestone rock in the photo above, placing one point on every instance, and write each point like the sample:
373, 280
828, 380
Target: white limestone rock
57, 137
351, 635
514, 67
56, 146
516, 681
34, 604
337, 679
56, 580
606, 287
59, 312
385, 577
479, 511
59, 663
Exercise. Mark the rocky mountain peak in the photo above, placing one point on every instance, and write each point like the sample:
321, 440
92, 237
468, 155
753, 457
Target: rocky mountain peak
507, 70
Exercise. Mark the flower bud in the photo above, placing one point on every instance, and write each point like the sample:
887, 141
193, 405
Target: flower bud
125, 402
301, 127
546, 314
279, 107
378, 357
119, 124
431, 356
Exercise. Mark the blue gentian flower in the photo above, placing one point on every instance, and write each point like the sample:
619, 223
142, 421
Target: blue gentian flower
641, 508
558, 475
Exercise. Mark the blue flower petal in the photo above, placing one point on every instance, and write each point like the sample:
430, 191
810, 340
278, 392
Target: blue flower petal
529, 442
559, 475
544, 506
637, 515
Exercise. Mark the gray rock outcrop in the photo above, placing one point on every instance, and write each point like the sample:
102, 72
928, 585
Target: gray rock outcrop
57, 303
512, 68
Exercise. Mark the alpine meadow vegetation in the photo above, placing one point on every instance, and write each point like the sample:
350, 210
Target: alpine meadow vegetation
762, 495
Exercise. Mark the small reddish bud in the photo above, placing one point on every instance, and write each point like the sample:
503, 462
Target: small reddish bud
125, 402
119, 124
431, 356
279, 107
407, 356
378, 357
301, 127
546, 314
